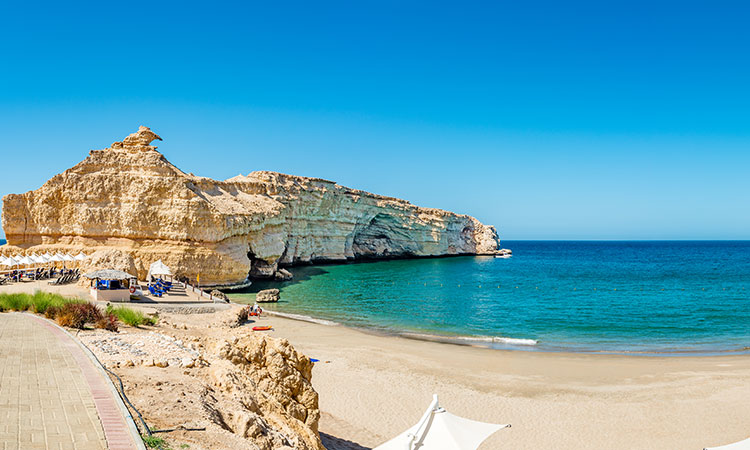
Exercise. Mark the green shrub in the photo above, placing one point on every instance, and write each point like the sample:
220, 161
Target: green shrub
15, 302
130, 316
154, 442
41, 301
74, 313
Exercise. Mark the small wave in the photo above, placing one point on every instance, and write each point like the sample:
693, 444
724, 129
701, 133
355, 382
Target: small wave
484, 339
302, 318
514, 341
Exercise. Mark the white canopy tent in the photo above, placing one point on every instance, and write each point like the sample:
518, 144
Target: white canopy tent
159, 268
25, 260
38, 259
10, 261
441, 430
741, 445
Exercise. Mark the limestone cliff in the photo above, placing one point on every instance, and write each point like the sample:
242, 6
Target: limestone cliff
130, 198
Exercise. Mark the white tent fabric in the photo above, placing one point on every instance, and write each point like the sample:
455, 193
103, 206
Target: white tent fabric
441, 430
10, 261
159, 268
25, 260
741, 445
80, 257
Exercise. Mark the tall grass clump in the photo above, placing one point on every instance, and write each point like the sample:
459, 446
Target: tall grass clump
42, 301
69, 312
130, 316
15, 302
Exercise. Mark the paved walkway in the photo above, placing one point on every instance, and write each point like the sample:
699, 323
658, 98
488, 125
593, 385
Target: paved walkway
51, 395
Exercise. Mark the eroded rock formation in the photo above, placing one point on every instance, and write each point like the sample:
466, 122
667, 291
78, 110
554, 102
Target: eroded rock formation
264, 393
130, 198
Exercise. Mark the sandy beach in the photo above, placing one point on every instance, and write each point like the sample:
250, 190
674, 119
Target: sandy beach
377, 386
372, 387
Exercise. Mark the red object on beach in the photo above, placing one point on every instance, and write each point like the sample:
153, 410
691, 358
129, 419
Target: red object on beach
263, 328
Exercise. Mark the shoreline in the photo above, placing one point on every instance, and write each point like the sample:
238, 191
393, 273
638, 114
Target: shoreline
376, 386
505, 343
372, 387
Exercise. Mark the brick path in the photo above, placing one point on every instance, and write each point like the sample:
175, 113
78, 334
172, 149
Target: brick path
51, 395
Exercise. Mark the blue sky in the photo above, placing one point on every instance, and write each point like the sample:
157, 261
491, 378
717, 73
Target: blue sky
588, 120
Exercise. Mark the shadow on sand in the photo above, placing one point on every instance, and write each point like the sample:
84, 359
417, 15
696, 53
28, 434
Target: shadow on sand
334, 443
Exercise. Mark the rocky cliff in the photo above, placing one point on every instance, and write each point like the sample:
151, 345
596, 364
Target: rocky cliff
130, 198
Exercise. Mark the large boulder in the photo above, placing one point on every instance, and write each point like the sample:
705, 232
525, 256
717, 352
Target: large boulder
266, 393
268, 296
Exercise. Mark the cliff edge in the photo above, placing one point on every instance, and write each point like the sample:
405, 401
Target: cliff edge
128, 197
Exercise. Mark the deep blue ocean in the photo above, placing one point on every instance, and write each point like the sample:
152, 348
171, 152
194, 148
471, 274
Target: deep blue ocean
651, 297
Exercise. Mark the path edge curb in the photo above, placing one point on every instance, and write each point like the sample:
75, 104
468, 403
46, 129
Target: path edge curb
137, 439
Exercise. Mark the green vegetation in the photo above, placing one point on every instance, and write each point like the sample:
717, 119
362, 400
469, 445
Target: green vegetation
69, 312
130, 316
39, 302
155, 442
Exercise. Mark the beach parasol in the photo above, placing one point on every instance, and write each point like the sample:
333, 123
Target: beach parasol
67, 257
159, 268
56, 257
741, 445
38, 259
10, 262
440, 430
80, 257
25, 260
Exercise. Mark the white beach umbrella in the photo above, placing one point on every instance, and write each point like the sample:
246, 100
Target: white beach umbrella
56, 257
741, 445
159, 268
441, 430
25, 260
10, 261
38, 259
67, 257
47, 256
80, 257
2, 259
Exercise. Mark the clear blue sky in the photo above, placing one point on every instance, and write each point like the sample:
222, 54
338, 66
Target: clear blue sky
550, 120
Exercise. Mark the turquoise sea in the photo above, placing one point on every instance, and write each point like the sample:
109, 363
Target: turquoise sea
670, 297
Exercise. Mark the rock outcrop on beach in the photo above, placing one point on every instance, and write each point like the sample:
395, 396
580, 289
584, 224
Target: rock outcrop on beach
130, 198
266, 393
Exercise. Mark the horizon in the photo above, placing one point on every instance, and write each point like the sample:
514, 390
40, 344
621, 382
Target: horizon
595, 122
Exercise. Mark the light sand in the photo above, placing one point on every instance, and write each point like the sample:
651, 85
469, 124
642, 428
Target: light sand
375, 387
